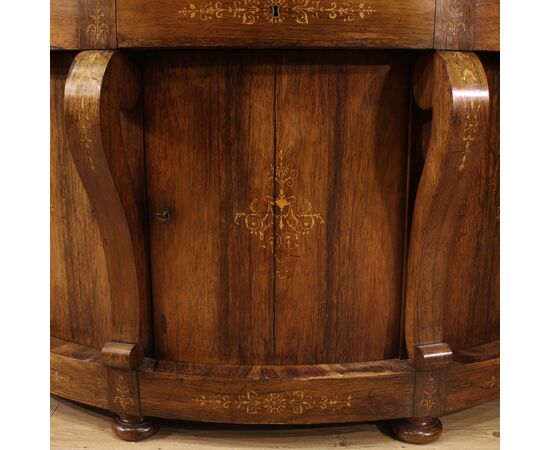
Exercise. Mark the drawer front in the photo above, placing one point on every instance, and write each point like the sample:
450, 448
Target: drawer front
265, 23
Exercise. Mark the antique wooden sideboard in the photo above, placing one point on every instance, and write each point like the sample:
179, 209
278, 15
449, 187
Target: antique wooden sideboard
275, 211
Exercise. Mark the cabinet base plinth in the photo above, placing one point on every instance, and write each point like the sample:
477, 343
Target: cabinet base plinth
418, 431
131, 428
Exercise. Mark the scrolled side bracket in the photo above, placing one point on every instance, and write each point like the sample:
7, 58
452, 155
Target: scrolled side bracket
102, 120
454, 86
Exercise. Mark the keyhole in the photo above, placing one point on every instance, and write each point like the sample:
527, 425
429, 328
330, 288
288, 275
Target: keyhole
164, 215
275, 11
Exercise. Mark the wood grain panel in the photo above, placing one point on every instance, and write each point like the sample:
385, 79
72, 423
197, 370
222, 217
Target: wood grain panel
342, 125
79, 287
487, 25
288, 395
480, 353
76, 373
472, 308
64, 24
472, 384
374, 23
209, 141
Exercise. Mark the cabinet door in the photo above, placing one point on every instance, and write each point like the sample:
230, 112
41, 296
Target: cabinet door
341, 128
208, 129
284, 174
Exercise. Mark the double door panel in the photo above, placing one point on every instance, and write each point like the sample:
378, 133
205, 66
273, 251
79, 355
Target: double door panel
284, 174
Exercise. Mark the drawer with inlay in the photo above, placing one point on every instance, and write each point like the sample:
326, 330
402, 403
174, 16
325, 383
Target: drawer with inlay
266, 23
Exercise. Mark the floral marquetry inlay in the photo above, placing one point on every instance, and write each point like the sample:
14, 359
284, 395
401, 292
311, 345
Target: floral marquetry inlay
273, 403
455, 24
97, 28
248, 12
123, 393
470, 128
429, 396
280, 224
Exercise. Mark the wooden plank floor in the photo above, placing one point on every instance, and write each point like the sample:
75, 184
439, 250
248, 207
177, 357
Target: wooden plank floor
76, 427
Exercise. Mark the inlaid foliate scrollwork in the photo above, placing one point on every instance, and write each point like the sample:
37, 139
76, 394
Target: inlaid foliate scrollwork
249, 12
430, 395
97, 29
273, 402
455, 23
470, 127
123, 397
279, 224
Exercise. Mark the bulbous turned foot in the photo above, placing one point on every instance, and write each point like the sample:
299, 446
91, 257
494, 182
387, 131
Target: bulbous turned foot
418, 431
131, 428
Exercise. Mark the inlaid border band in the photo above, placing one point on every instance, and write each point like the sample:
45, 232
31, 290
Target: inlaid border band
248, 12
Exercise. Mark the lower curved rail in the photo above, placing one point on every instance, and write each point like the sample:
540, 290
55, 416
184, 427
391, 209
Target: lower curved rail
268, 394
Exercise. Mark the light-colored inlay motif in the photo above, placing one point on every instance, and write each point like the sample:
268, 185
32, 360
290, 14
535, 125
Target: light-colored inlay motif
491, 382
248, 12
273, 403
470, 128
280, 224
97, 28
429, 396
123, 393
455, 24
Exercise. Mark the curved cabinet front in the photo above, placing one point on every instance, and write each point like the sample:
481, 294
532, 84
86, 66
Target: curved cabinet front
268, 236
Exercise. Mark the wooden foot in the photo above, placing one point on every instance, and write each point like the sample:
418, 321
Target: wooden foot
131, 428
418, 431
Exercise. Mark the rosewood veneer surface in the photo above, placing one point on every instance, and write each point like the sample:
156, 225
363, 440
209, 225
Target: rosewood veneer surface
275, 211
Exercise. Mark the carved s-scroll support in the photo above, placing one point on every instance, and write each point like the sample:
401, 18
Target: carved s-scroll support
454, 86
103, 123
100, 86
